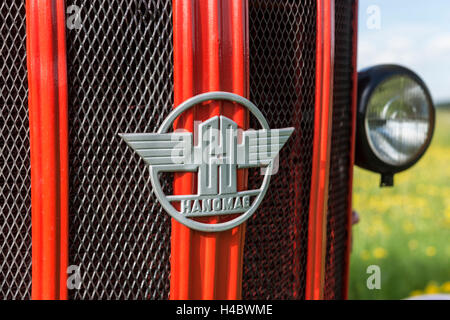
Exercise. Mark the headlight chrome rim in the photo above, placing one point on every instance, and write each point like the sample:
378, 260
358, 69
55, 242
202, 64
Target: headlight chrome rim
367, 156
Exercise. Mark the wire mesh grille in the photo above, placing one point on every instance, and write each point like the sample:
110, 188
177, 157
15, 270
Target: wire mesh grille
340, 153
120, 81
282, 84
15, 197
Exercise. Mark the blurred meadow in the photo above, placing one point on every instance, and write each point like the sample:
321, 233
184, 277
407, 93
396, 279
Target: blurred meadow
405, 229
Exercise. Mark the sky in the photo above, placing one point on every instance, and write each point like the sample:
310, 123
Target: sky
412, 33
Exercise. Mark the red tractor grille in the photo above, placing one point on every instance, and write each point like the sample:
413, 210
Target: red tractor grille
15, 184
120, 80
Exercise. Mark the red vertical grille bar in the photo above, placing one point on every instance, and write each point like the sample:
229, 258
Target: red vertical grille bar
321, 150
46, 57
210, 47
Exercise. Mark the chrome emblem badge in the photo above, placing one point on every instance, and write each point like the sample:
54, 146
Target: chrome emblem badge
220, 149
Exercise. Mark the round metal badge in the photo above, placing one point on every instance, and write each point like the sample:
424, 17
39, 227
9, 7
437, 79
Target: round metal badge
220, 150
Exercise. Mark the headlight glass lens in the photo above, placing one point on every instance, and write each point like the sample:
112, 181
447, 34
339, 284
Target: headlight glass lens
398, 120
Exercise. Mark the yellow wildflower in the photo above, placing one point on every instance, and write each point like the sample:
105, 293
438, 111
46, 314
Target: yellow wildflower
408, 227
416, 293
430, 251
432, 288
379, 253
447, 215
446, 287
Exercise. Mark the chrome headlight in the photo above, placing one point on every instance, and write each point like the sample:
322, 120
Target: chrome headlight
395, 120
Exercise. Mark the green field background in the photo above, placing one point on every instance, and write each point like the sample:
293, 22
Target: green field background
405, 229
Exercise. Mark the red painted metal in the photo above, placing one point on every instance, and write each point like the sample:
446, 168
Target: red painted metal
352, 150
315, 269
210, 54
47, 79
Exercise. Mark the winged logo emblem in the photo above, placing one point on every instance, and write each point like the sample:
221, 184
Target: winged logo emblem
221, 149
